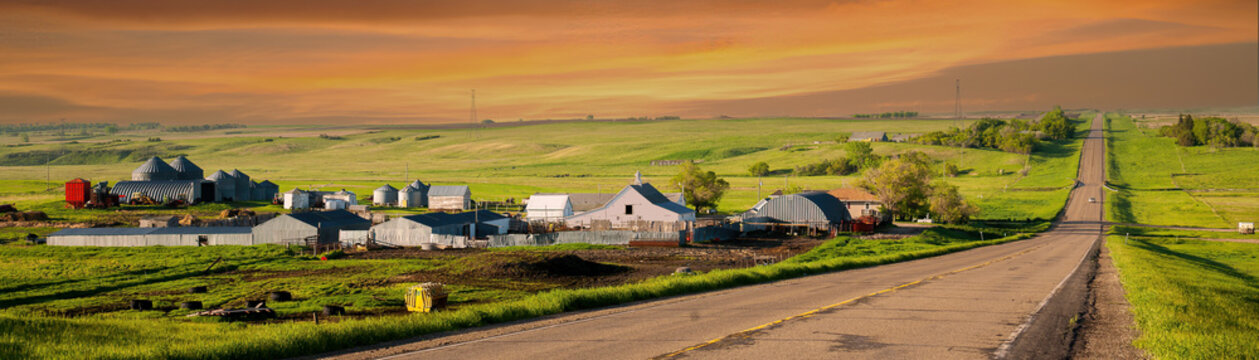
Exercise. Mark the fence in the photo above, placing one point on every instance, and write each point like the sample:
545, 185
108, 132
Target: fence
610, 237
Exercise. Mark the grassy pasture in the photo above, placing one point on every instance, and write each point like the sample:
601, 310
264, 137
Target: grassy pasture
513, 162
1192, 299
1161, 183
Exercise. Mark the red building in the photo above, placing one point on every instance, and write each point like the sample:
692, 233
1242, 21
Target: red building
78, 192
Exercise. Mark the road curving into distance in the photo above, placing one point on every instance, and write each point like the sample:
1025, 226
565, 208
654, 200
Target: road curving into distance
972, 304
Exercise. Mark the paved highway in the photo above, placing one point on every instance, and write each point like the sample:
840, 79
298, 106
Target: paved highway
961, 305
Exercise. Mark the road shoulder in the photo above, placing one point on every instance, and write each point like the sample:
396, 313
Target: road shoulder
1108, 329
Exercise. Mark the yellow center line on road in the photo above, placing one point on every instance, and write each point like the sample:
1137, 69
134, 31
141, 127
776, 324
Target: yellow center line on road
810, 313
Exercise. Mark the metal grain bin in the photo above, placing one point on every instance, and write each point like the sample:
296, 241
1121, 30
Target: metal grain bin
153, 169
242, 186
385, 195
186, 170
224, 185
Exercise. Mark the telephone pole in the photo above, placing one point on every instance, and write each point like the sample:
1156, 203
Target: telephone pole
957, 119
472, 115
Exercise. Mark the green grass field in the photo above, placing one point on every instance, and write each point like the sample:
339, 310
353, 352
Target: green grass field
1161, 183
53, 307
1192, 299
501, 163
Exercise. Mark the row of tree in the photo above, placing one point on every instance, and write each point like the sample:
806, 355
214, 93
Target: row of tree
206, 127
888, 115
1211, 131
1013, 135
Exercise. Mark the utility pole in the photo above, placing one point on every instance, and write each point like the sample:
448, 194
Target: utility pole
759, 182
472, 114
957, 116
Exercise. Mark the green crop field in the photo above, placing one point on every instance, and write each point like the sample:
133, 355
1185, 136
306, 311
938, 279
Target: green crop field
1161, 183
70, 302
1192, 299
514, 162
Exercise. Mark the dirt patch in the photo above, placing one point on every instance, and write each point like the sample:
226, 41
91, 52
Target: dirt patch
524, 264
1107, 330
256, 275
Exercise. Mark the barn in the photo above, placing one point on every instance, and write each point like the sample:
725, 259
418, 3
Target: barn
449, 197
812, 210
154, 236
296, 228
637, 203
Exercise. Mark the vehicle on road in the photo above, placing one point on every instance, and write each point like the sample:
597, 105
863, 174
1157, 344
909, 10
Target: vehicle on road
1092, 200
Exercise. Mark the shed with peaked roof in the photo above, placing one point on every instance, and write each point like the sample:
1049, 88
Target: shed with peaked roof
543, 207
439, 228
449, 197
639, 202
871, 136
296, 228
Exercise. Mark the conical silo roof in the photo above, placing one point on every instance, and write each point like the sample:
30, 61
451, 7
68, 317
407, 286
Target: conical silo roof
387, 187
154, 169
185, 169
220, 175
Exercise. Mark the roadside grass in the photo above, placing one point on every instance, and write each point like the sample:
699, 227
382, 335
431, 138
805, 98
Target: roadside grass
34, 282
1160, 183
1192, 299
1157, 233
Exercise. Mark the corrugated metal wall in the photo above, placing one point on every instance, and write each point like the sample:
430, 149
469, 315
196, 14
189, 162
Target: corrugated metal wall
613, 237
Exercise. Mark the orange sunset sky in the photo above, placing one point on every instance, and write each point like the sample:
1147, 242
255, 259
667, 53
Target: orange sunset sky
395, 61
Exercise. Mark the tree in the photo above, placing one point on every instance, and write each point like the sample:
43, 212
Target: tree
759, 169
590, 117
487, 121
948, 205
702, 189
26, 138
861, 154
901, 184
111, 129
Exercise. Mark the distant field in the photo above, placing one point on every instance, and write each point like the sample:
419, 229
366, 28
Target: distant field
1161, 183
1192, 299
501, 163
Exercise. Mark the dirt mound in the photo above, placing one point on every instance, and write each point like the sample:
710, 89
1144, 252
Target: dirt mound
24, 216
538, 265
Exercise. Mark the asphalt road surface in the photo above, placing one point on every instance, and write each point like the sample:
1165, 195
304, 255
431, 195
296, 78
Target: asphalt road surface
963, 305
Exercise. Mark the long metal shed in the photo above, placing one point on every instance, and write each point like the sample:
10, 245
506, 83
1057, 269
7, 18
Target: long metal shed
816, 210
162, 236
326, 226
449, 197
187, 190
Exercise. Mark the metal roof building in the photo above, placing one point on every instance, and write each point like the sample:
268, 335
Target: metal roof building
154, 169
326, 226
188, 190
224, 185
186, 170
637, 202
265, 190
438, 228
449, 197
548, 207
817, 210
413, 195
243, 193
158, 236
385, 195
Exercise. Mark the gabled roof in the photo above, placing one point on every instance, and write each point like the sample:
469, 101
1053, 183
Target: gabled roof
444, 219
449, 190
332, 218
652, 195
548, 202
589, 201
268, 184
236, 173
852, 194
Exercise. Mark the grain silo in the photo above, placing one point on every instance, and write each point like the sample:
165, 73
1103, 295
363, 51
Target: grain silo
224, 185
410, 197
153, 170
186, 170
385, 195
266, 190
242, 186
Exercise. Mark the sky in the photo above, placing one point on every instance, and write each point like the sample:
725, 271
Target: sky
413, 61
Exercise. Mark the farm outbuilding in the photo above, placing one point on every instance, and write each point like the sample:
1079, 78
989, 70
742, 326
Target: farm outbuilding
78, 192
154, 236
449, 197
439, 228
296, 228
224, 185
296, 199
858, 202
385, 196
186, 170
190, 191
869, 136
154, 170
814, 210
637, 203
548, 207
243, 193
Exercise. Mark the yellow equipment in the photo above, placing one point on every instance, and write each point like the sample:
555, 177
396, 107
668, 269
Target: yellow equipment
426, 297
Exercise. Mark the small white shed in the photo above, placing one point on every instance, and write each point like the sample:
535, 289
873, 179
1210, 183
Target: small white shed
541, 207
